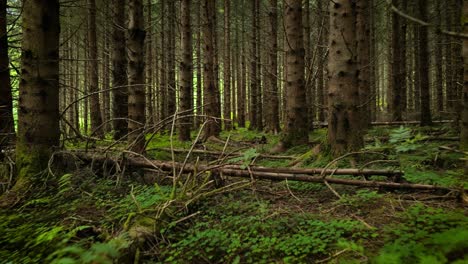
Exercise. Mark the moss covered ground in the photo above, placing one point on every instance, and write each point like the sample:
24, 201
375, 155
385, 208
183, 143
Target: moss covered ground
88, 215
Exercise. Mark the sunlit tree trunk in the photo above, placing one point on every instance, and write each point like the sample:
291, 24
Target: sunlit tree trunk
136, 81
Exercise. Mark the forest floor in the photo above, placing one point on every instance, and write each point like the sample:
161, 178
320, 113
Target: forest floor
88, 214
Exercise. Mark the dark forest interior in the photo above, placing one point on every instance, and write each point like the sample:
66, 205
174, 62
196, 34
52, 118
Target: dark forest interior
242, 131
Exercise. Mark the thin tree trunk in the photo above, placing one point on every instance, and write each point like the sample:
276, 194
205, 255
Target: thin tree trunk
93, 71
464, 120
242, 98
136, 81
426, 118
363, 41
199, 109
119, 72
344, 131
171, 62
321, 60
7, 126
253, 69
149, 67
186, 74
210, 89
163, 70
227, 67
272, 115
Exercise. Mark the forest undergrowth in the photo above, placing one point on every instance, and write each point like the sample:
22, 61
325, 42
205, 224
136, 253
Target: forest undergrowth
90, 214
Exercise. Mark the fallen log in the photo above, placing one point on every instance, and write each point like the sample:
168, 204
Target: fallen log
217, 153
257, 173
393, 123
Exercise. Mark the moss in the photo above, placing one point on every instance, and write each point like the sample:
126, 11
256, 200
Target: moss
30, 162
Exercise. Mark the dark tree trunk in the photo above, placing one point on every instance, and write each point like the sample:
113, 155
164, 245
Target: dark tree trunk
253, 69
464, 119
227, 67
398, 64
38, 115
363, 57
136, 80
199, 109
210, 87
96, 118
7, 126
171, 62
242, 93
119, 71
186, 74
426, 118
272, 115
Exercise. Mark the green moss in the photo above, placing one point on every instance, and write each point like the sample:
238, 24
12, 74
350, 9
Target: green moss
31, 161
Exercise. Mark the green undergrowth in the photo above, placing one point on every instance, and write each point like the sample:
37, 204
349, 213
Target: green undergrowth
252, 231
85, 217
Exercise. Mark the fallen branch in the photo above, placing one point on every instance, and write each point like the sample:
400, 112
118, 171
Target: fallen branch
393, 123
264, 173
217, 153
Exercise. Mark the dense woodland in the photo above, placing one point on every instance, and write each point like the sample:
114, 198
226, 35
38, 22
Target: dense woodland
233, 131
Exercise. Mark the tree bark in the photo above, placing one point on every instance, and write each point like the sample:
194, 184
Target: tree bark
199, 109
227, 67
136, 81
271, 93
253, 68
296, 126
38, 115
425, 118
344, 131
464, 120
150, 69
119, 71
242, 92
93, 71
186, 72
171, 62
398, 64
210, 87
7, 126
363, 57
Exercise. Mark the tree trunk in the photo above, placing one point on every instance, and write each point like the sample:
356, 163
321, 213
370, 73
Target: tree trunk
344, 132
119, 71
7, 126
136, 81
186, 74
199, 109
464, 120
321, 50
227, 67
296, 126
38, 115
210, 89
426, 119
163, 93
171, 62
439, 47
363, 41
253, 68
309, 79
272, 115
93, 71
398, 64
149, 67
242, 93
